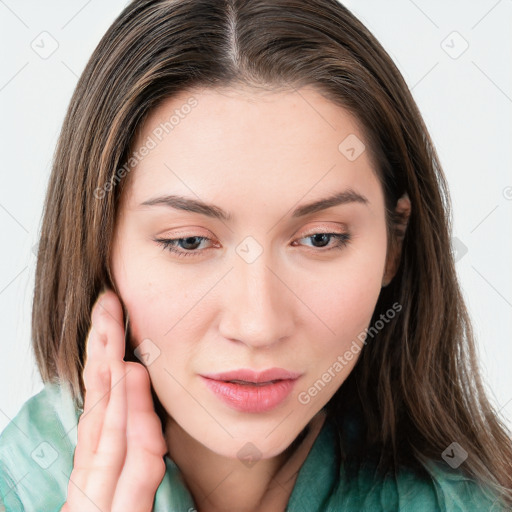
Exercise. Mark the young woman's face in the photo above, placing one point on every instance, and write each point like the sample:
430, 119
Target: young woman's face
263, 288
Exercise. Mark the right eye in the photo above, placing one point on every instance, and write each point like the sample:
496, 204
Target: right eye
190, 243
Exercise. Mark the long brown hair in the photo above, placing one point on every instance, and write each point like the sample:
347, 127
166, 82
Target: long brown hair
417, 382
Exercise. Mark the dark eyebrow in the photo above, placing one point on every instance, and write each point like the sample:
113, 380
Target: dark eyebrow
196, 206
189, 205
344, 197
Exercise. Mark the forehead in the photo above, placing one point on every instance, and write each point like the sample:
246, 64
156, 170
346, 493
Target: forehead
250, 143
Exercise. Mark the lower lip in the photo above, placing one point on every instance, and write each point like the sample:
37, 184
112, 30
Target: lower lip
248, 398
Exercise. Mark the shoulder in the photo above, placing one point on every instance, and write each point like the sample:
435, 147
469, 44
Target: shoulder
36, 451
455, 491
437, 489
432, 486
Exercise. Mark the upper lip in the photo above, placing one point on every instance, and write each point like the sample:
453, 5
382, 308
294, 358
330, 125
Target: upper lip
248, 375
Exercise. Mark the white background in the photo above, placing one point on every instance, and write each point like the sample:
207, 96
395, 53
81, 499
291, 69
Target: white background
466, 103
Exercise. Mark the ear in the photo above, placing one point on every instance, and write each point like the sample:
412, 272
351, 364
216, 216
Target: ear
403, 212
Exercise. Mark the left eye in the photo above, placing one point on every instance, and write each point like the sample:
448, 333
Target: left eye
187, 246
342, 239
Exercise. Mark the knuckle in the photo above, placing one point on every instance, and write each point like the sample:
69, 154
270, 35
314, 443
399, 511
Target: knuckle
153, 438
160, 468
153, 466
116, 433
96, 374
109, 458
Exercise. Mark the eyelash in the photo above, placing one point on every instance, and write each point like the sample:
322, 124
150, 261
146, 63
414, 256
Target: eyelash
342, 240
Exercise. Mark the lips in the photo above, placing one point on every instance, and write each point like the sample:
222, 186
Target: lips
244, 375
253, 392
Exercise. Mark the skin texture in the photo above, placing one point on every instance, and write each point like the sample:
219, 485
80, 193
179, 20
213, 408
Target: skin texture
298, 305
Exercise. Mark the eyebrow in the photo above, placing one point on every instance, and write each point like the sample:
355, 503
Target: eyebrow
195, 206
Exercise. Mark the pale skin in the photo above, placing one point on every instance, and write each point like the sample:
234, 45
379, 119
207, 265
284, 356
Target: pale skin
297, 305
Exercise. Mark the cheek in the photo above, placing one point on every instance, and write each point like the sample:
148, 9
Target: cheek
143, 295
162, 304
343, 298
337, 350
348, 300
343, 295
334, 345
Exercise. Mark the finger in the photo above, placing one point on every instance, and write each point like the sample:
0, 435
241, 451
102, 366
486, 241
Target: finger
95, 341
146, 433
113, 433
91, 421
107, 319
103, 476
144, 467
101, 447
97, 382
96, 364
83, 486
102, 336
136, 490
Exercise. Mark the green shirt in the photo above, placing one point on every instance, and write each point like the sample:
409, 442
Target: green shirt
36, 460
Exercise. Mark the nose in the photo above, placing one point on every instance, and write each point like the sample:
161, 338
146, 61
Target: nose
257, 306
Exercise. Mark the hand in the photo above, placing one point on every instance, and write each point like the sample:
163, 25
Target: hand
118, 463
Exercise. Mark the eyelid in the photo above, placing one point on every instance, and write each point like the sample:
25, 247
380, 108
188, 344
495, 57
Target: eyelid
326, 228
201, 232
186, 232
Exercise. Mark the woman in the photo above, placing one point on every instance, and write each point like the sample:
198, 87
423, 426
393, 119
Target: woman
252, 187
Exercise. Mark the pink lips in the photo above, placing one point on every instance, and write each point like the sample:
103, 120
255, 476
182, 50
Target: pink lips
255, 391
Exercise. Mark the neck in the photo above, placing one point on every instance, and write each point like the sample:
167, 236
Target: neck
217, 483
